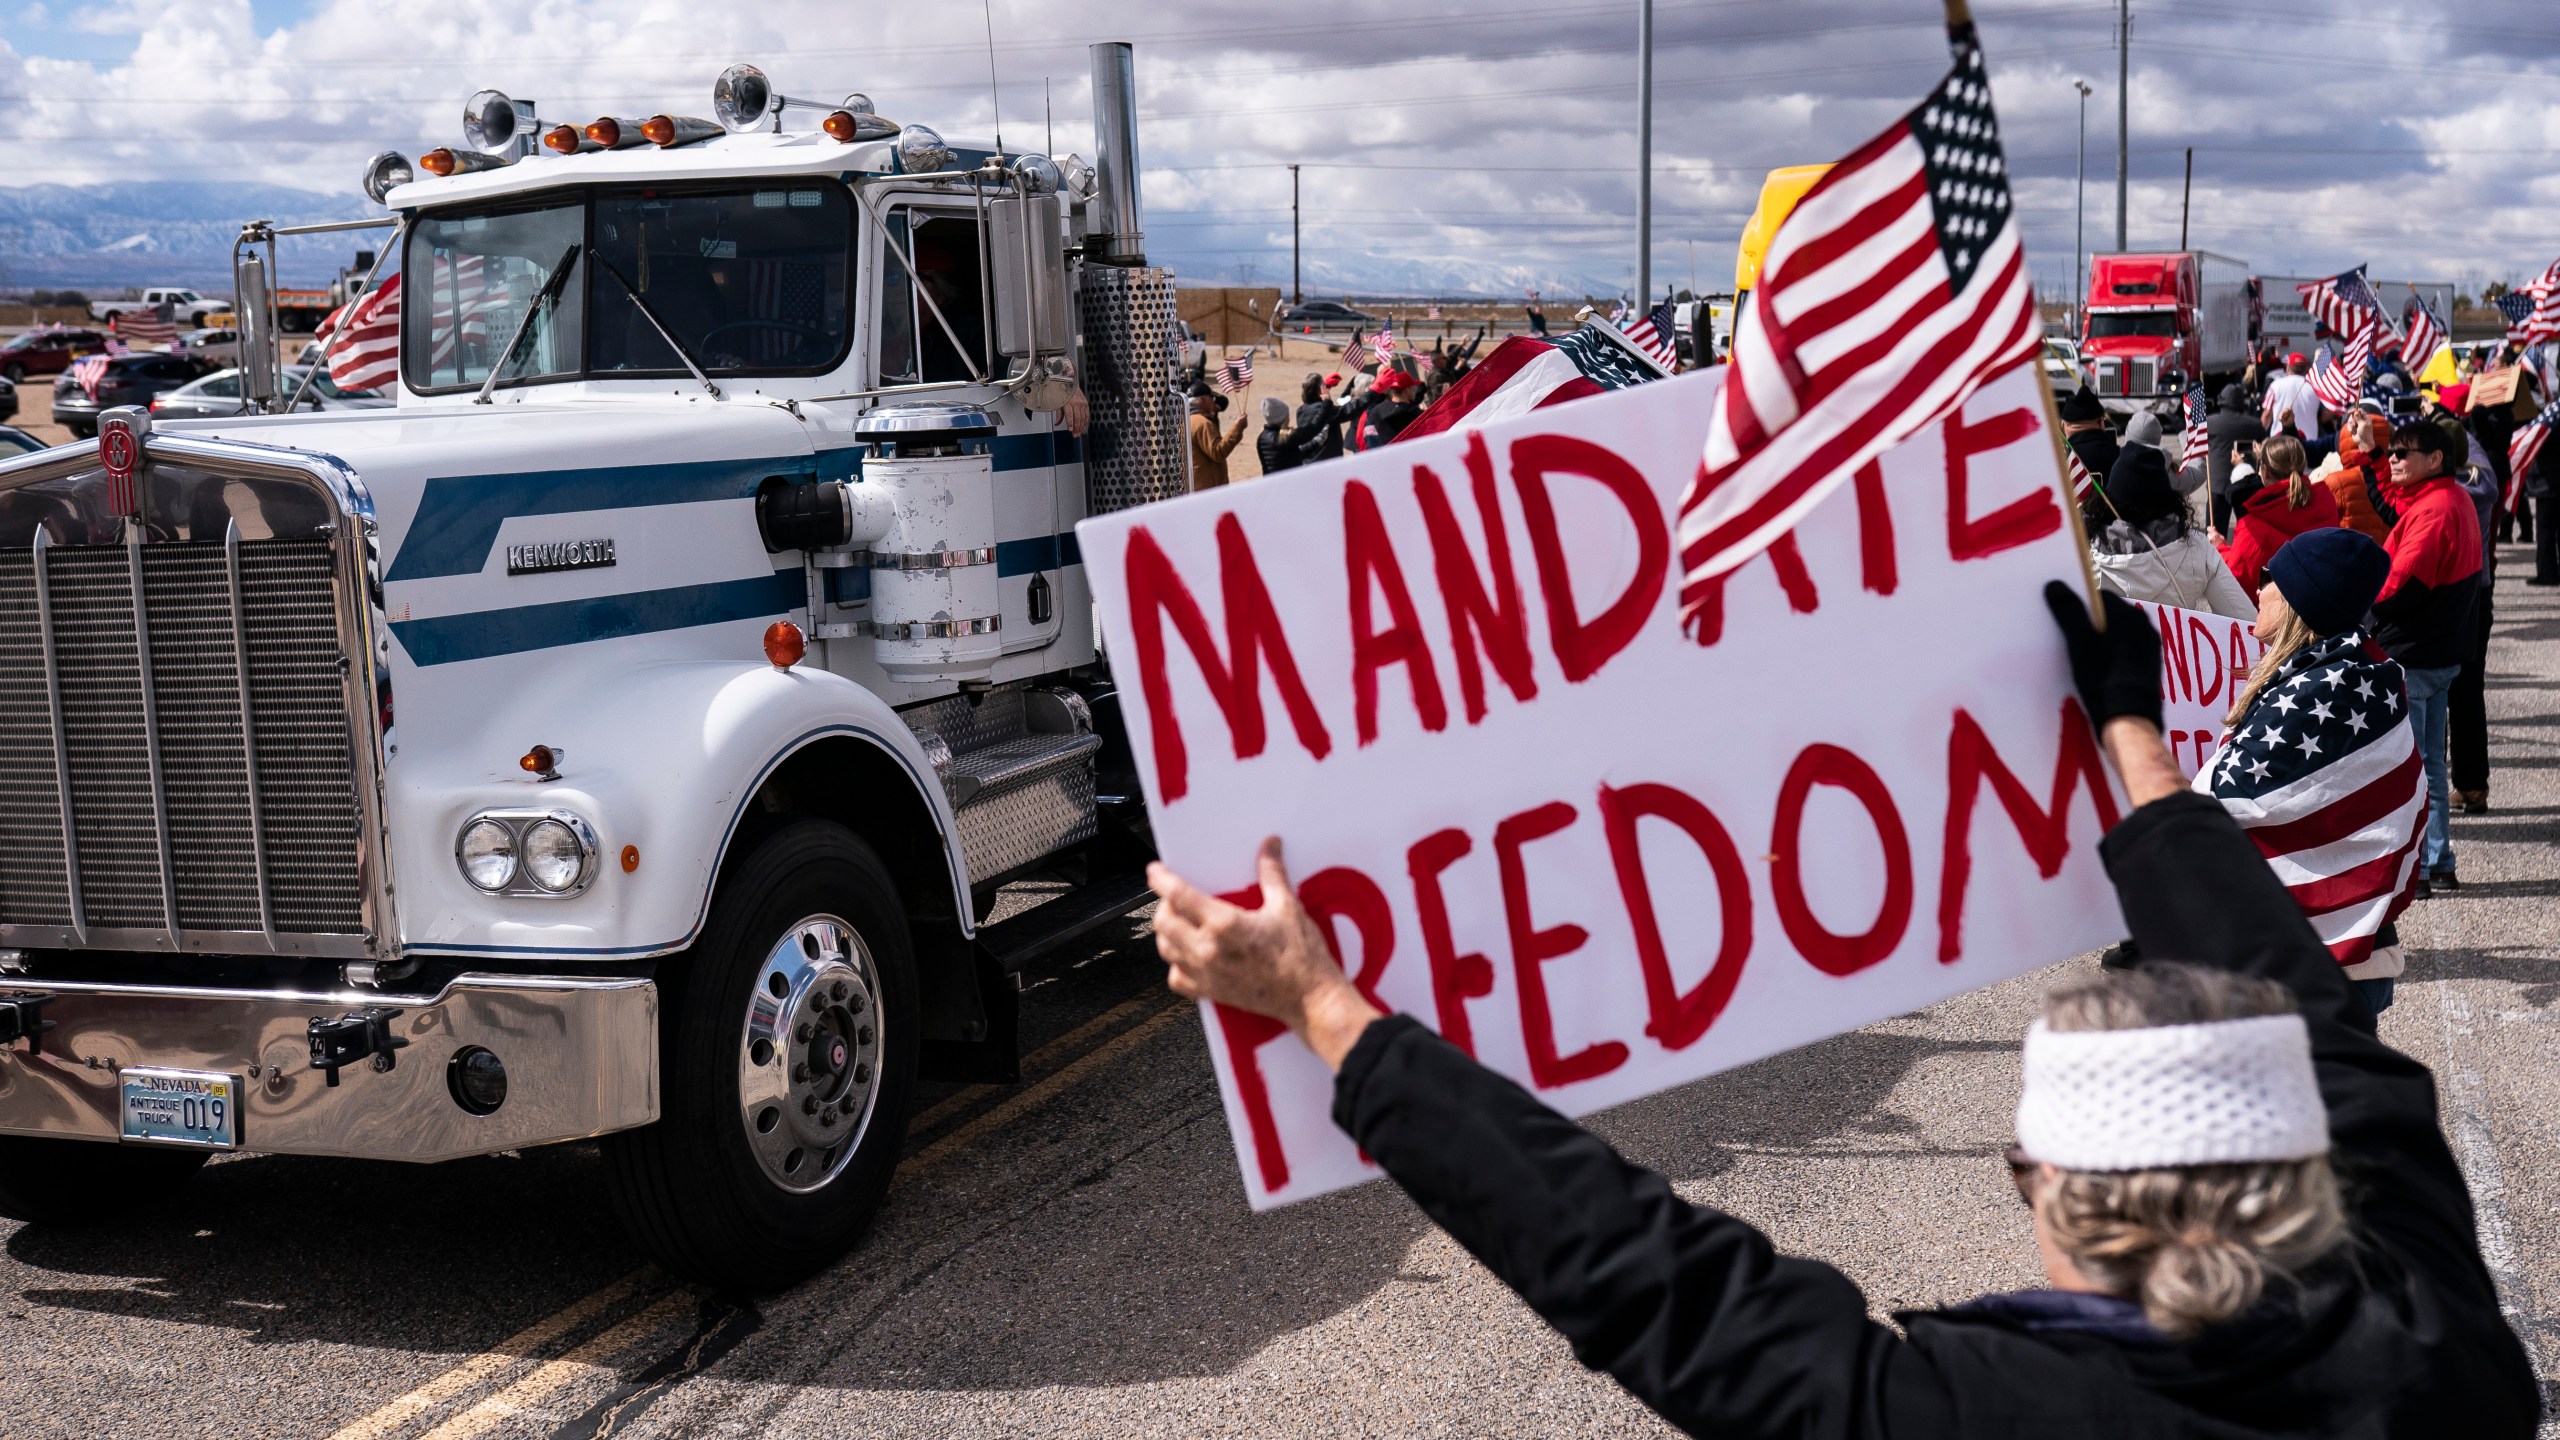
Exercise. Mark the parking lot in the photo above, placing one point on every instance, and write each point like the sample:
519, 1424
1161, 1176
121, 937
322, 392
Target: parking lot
1073, 1256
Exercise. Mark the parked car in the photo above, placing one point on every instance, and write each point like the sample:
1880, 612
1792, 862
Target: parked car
8, 398
15, 442
1324, 314
46, 352
212, 348
2062, 365
127, 380
186, 305
218, 395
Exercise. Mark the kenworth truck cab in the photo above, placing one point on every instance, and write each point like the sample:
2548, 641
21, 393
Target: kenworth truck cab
627, 734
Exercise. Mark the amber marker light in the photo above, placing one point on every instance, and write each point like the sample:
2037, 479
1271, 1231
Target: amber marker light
784, 644
606, 131
542, 761
630, 858
561, 139
661, 129
438, 161
841, 125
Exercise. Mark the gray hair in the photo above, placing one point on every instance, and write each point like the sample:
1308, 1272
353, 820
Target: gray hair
2198, 1244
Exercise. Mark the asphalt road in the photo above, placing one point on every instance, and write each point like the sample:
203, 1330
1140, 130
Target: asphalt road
1073, 1256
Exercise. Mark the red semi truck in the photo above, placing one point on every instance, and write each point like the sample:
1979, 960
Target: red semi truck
2158, 321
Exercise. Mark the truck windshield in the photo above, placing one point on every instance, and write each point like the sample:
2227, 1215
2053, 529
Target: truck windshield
469, 281
2106, 323
748, 280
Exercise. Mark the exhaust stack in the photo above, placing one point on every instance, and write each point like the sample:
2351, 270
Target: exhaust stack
1120, 236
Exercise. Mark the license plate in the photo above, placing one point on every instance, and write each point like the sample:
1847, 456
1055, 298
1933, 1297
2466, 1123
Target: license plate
182, 1107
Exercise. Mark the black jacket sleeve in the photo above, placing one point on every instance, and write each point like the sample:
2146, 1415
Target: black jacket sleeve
2195, 889
1690, 1309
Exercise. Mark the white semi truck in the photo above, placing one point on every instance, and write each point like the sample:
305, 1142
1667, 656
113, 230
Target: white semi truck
628, 733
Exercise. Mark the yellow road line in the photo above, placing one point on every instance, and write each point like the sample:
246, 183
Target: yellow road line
1034, 1094
547, 1331
552, 1376
479, 1368
1033, 1061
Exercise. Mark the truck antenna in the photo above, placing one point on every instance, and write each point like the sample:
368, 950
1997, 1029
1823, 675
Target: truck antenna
988, 9
1048, 117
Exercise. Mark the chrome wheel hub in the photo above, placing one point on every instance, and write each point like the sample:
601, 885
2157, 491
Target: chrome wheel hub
809, 1060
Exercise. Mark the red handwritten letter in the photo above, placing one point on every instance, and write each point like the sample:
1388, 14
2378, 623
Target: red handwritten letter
1583, 648
2046, 830
1835, 954
1532, 948
1679, 1018
1370, 560
1500, 619
1455, 978
1157, 593
2023, 520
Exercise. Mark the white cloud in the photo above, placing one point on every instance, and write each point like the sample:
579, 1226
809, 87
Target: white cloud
1489, 149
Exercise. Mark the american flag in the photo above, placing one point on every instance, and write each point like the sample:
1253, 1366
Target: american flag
87, 371
2543, 321
1236, 376
1526, 373
458, 310
146, 327
1382, 347
2342, 301
1895, 288
2527, 444
2426, 333
367, 356
2339, 386
2083, 484
1657, 335
2325, 775
1355, 356
2196, 444
2517, 306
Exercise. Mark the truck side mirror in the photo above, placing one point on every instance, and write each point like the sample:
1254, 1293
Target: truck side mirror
1027, 251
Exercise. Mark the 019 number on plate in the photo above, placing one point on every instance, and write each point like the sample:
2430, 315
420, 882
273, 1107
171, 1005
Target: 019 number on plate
182, 1107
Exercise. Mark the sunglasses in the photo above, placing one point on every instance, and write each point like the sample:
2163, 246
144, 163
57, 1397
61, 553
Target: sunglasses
2022, 1173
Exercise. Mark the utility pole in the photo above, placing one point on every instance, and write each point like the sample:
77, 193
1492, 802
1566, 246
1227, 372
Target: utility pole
2124, 105
1297, 296
2186, 197
2080, 210
1644, 156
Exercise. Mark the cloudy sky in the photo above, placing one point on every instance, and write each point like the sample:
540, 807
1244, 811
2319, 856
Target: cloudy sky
1444, 146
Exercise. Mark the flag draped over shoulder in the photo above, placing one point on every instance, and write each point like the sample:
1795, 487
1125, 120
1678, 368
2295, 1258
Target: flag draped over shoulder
1893, 290
2325, 775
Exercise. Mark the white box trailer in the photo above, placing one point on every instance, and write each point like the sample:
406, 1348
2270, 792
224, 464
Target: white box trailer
2288, 326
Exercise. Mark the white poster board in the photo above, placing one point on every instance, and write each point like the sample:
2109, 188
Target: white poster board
2204, 665
1599, 854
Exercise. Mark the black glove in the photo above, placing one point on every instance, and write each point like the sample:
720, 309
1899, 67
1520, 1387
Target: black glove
2117, 670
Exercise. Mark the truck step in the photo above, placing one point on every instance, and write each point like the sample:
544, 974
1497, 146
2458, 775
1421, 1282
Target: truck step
1044, 928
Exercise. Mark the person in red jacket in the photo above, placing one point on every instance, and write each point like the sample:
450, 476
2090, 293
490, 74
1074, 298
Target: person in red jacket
2272, 505
2423, 618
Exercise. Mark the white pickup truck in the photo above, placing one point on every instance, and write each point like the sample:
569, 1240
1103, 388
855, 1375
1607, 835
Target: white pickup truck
184, 305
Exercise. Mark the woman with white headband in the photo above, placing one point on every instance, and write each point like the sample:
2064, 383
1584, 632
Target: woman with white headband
2250, 1221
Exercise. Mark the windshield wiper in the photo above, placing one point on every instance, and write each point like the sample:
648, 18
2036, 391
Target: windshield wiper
658, 325
552, 285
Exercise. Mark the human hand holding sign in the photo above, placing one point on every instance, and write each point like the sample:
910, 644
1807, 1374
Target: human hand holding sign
1272, 961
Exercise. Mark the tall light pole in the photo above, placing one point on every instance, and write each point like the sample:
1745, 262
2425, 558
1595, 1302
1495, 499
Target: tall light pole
2080, 208
1644, 156
1296, 295
2124, 107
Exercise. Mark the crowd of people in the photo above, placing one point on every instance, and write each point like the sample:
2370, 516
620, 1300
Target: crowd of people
1349, 408
2421, 470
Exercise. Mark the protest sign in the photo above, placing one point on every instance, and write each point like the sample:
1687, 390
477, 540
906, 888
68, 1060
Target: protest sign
2204, 665
1600, 854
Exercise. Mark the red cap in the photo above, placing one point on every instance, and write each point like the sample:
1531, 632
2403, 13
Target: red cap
1393, 379
2295, 358
1333, 379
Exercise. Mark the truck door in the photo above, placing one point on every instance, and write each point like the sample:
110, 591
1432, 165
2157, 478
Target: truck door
945, 247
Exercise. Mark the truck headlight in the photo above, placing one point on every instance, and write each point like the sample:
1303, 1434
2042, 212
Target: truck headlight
546, 853
488, 854
554, 857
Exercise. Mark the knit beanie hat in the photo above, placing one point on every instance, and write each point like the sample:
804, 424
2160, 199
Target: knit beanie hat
2219, 1093
1275, 411
2082, 404
2139, 486
2330, 577
2143, 429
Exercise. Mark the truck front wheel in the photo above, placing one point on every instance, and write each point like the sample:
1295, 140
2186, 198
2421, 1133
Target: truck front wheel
787, 1050
45, 1181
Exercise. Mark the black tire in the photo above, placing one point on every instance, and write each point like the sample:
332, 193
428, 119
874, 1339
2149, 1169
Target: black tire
45, 1181
700, 1190
15, 371
80, 431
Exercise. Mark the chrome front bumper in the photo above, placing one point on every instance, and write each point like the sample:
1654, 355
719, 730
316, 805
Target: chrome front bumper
581, 1058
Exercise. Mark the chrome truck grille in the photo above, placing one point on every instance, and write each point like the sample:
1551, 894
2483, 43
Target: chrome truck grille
194, 745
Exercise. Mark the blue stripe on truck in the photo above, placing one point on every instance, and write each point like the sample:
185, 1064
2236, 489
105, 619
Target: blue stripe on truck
479, 634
